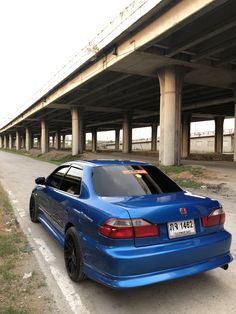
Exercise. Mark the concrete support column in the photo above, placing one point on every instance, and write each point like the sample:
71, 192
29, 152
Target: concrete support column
57, 141
63, 141
17, 140
154, 138
23, 142
28, 139
117, 139
234, 127
5, 141
171, 81
84, 139
39, 142
186, 121
94, 140
77, 131
53, 141
44, 137
127, 133
1, 141
32, 140
10, 141
219, 134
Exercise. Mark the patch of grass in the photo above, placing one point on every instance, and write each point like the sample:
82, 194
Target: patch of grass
8, 246
212, 157
7, 206
17, 295
8, 240
64, 159
171, 170
41, 284
185, 176
174, 169
188, 183
13, 310
6, 270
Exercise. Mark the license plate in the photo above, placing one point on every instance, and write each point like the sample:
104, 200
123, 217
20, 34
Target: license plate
177, 229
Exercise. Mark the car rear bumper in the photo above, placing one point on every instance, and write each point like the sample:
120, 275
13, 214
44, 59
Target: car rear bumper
127, 267
148, 279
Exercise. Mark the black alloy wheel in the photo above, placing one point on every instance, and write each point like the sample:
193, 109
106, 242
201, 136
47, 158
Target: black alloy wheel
33, 211
72, 255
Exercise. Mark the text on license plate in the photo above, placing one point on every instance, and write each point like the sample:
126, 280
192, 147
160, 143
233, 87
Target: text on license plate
182, 228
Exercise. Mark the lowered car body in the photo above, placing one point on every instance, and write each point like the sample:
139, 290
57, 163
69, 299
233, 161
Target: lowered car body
126, 224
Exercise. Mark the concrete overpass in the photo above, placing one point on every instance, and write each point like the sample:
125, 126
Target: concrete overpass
161, 62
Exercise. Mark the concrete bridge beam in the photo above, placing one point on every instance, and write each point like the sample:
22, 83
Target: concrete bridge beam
171, 81
127, 133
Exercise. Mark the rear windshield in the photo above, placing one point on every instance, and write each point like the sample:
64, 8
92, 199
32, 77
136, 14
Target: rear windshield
113, 181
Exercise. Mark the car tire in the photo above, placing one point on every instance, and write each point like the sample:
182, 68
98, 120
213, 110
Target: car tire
73, 256
33, 211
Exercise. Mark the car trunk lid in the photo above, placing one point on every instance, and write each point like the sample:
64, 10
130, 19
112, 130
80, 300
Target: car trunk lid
162, 209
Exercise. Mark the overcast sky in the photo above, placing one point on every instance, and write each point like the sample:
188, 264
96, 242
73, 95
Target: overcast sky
38, 37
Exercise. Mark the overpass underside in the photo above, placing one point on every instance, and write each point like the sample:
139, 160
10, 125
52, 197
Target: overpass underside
175, 65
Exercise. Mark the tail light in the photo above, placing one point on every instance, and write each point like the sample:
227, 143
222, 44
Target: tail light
217, 217
143, 228
117, 228
128, 228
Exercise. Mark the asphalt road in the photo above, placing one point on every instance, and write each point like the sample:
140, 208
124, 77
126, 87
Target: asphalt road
211, 292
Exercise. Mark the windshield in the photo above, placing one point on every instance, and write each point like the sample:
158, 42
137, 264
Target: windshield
113, 181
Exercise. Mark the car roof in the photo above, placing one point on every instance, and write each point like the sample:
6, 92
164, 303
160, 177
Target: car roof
106, 162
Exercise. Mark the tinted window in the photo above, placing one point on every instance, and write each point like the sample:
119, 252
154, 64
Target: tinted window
55, 178
72, 181
131, 181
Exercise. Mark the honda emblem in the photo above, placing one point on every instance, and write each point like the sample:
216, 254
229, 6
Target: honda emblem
183, 211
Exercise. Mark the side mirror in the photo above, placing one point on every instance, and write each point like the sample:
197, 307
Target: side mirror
40, 180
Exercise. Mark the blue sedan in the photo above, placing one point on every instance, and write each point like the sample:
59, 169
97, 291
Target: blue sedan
126, 224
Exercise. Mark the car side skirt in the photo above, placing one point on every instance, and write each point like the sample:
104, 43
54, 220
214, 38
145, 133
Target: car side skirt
50, 229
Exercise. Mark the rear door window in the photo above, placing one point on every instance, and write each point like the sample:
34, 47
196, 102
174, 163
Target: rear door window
72, 181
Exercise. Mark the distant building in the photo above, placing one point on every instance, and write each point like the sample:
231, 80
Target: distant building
200, 142
204, 142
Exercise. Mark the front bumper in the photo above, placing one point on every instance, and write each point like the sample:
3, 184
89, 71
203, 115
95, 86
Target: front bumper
127, 267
